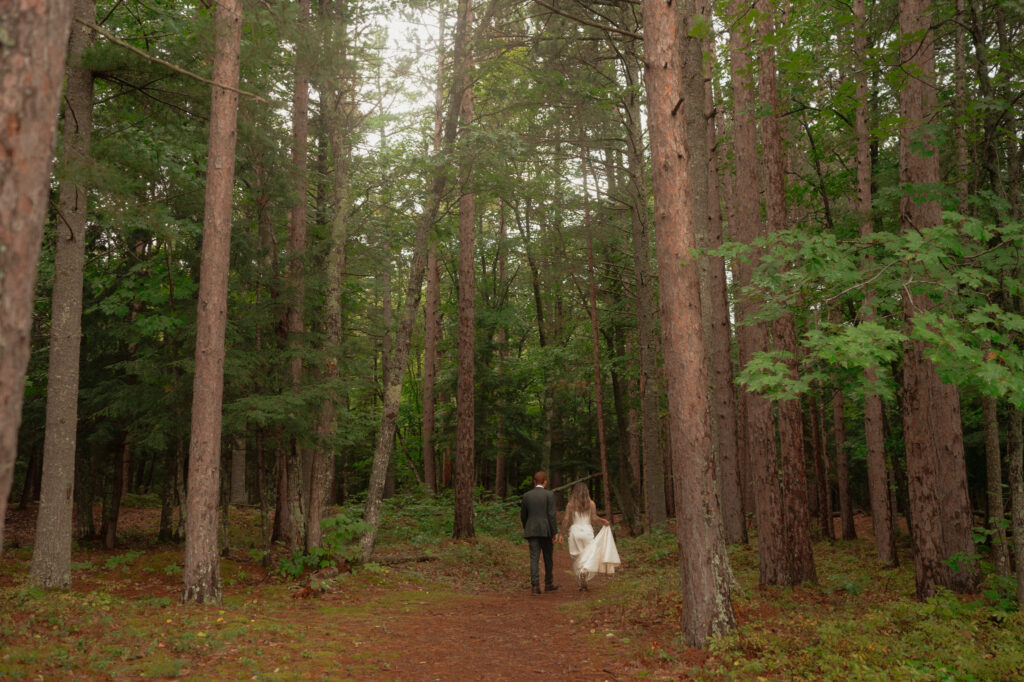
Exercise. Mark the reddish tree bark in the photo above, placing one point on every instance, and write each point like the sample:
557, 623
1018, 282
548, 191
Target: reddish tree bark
704, 564
797, 539
201, 571
878, 486
842, 468
653, 470
724, 408
298, 488
35, 44
1015, 474
432, 306
465, 414
936, 477
759, 427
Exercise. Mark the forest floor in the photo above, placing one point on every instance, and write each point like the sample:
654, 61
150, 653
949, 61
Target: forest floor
429, 608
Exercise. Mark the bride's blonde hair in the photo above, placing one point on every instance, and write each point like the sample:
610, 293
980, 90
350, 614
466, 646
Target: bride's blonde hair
579, 500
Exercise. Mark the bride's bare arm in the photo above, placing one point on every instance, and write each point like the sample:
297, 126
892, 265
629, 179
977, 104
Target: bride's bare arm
595, 517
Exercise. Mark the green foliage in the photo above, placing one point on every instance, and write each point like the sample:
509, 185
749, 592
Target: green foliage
339, 545
122, 561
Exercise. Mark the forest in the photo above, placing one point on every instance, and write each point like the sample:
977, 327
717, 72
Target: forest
291, 280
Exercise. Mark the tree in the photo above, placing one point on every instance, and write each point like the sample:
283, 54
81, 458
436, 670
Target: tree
297, 486
466, 391
704, 564
201, 571
33, 63
646, 315
393, 389
752, 337
940, 510
878, 485
720, 367
51, 555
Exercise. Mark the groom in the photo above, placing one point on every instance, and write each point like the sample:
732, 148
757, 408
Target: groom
540, 527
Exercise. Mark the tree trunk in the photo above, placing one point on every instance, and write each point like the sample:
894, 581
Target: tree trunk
201, 572
994, 487
112, 499
282, 522
646, 320
821, 472
595, 346
759, 427
85, 524
881, 507
298, 492
625, 421
51, 554
432, 332
842, 468
393, 391
502, 444
1015, 472
432, 307
720, 341
936, 478
791, 435
704, 564
238, 494
166, 532
35, 44
339, 120
465, 390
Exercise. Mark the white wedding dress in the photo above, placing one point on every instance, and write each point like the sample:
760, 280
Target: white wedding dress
591, 555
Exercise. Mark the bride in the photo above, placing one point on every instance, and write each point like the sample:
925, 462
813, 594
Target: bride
590, 555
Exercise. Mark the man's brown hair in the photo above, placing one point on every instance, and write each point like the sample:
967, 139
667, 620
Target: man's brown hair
540, 478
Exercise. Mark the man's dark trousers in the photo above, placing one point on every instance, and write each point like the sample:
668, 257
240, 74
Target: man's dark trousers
545, 545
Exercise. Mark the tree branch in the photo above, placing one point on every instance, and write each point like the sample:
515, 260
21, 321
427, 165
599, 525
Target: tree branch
587, 22
156, 60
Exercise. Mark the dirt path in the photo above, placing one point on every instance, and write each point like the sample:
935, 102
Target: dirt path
384, 630
498, 636
436, 634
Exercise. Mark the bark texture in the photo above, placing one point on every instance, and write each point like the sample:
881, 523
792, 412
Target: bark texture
936, 476
298, 489
653, 473
31, 79
1015, 473
720, 342
994, 486
201, 571
842, 468
704, 564
878, 481
51, 554
799, 564
465, 413
752, 337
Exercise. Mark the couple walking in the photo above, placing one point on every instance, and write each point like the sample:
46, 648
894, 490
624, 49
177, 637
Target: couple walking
590, 555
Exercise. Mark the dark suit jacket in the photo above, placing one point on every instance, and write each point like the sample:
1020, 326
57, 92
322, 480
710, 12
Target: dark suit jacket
537, 513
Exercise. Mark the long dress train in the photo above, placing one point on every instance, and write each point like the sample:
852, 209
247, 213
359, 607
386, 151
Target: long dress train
591, 555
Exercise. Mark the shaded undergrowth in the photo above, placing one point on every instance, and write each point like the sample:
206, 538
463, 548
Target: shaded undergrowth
860, 622
122, 619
